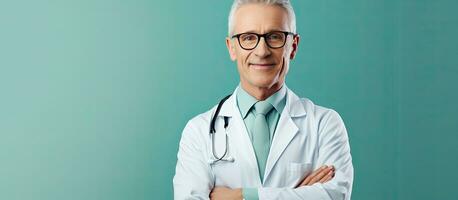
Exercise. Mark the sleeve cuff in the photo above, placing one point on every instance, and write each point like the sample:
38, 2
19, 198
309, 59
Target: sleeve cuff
250, 193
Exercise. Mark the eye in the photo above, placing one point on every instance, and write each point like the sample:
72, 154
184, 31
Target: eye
248, 37
275, 36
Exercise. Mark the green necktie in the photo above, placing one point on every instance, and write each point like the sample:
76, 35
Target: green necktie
261, 135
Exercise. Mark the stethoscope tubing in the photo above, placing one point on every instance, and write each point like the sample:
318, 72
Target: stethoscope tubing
213, 131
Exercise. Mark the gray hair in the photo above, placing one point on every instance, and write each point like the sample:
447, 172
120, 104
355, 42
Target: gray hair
282, 3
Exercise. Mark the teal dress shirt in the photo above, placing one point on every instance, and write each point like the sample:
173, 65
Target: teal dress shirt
245, 104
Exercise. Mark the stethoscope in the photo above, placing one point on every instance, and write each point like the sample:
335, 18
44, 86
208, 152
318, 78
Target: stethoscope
215, 158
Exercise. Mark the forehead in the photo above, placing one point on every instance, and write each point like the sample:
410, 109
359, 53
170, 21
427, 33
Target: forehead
260, 18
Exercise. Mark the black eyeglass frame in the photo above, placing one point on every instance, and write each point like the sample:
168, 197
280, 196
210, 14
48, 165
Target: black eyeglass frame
259, 36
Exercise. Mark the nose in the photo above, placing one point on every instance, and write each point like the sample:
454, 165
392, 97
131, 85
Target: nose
262, 50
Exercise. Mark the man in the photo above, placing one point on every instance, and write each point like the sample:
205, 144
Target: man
266, 139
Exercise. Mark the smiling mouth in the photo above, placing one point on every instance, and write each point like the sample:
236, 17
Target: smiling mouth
262, 65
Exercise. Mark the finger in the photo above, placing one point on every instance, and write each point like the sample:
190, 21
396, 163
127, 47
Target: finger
328, 177
320, 176
309, 177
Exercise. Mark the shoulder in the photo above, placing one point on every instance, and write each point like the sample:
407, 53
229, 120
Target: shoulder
311, 109
201, 122
327, 121
320, 115
319, 111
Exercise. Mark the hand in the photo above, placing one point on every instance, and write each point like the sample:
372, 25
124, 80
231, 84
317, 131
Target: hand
225, 193
321, 175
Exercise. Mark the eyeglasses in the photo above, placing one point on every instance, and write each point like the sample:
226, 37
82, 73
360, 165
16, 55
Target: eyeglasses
274, 40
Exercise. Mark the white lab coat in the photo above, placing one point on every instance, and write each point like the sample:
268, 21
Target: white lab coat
307, 136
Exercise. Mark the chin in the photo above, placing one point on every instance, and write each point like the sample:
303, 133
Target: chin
262, 82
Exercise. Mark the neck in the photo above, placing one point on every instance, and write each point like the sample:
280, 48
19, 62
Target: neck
261, 93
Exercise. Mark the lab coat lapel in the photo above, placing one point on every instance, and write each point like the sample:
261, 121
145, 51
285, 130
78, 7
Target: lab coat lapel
241, 142
285, 131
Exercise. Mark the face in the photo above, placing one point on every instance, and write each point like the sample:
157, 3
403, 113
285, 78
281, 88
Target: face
262, 67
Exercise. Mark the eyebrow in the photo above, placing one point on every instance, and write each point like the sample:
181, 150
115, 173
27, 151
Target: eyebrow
268, 31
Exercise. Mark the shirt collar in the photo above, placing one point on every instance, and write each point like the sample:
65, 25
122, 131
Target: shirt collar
245, 101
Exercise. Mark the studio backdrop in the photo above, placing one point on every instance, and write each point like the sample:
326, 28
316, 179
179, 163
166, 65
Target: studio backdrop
94, 94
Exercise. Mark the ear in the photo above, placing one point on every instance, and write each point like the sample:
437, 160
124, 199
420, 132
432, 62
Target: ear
295, 45
231, 49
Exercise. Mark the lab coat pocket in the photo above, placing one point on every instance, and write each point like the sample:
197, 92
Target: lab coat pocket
227, 174
297, 172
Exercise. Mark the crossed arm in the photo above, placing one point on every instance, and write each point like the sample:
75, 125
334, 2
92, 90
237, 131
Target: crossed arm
321, 175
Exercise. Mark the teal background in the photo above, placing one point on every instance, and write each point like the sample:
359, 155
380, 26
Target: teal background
94, 94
